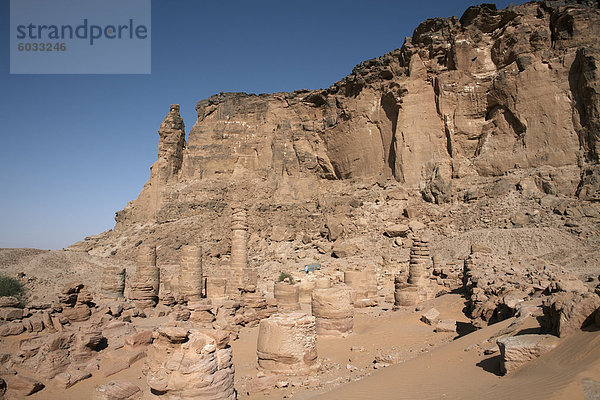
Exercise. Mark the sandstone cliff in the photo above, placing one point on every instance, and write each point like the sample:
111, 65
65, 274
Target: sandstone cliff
465, 101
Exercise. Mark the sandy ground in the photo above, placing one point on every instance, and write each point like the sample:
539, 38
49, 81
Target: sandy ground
452, 373
46, 272
430, 365
399, 333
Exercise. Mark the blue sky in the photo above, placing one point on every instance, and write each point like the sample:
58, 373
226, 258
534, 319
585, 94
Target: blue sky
77, 148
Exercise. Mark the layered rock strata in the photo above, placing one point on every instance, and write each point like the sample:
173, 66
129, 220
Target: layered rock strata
485, 87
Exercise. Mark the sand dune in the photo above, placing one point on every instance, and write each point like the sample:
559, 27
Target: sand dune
450, 372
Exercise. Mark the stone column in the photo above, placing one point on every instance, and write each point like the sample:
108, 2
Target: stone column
239, 251
333, 310
419, 274
405, 294
113, 282
305, 289
287, 296
216, 287
146, 270
287, 344
144, 291
322, 282
196, 364
420, 261
190, 273
363, 282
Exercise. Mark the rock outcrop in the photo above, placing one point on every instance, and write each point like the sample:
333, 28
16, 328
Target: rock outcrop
568, 312
465, 102
482, 94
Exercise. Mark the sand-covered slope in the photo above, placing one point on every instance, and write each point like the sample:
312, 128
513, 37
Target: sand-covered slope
450, 372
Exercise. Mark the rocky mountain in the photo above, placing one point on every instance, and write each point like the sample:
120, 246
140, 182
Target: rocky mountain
480, 116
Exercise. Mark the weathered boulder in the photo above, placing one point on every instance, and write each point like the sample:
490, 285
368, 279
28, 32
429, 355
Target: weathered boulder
431, 316
65, 380
9, 301
11, 328
19, 386
446, 325
117, 390
397, 230
518, 350
10, 313
342, 249
568, 312
140, 339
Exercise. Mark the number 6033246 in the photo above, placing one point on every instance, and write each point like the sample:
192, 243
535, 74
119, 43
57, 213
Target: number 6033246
42, 46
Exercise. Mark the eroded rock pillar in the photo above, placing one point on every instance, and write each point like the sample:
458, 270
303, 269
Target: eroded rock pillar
287, 344
239, 251
420, 262
287, 296
144, 291
194, 364
405, 294
334, 310
363, 282
216, 287
419, 286
190, 273
113, 282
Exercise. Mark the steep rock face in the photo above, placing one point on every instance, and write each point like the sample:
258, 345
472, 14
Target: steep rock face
463, 101
165, 170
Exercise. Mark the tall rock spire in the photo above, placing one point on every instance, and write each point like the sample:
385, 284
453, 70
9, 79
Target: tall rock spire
170, 145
